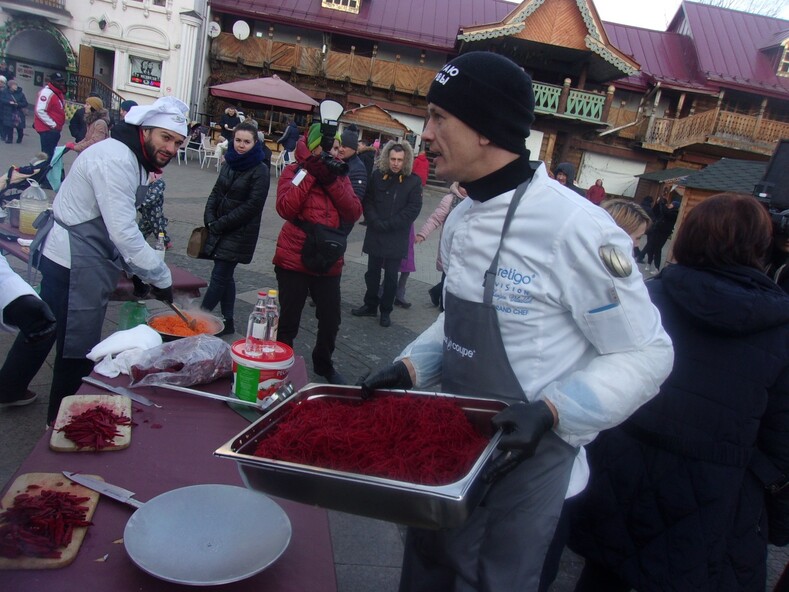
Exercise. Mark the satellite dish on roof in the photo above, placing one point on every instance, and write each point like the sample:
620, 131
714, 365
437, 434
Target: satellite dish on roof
214, 29
240, 30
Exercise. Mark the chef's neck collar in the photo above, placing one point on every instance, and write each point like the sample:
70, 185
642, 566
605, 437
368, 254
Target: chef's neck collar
505, 179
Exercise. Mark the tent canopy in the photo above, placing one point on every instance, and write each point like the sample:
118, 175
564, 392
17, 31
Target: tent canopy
265, 91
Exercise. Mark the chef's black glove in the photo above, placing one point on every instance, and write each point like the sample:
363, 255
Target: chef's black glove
395, 376
141, 289
524, 425
316, 166
33, 317
163, 294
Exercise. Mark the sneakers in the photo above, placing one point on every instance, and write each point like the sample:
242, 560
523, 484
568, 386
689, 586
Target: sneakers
334, 377
402, 303
385, 320
29, 397
364, 311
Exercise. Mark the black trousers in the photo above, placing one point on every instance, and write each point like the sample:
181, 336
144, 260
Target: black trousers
294, 287
372, 280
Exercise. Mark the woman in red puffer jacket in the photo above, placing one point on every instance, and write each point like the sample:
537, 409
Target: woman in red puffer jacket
310, 191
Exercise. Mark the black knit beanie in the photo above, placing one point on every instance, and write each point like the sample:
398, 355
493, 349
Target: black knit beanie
350, 138
490, 94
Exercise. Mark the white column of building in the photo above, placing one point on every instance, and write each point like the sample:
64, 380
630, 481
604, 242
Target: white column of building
190, 25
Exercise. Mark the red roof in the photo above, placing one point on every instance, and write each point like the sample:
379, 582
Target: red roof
728, 43
668, 58
430, 24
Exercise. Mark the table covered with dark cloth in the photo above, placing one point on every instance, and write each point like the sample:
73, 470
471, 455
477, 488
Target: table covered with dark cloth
184, 282
171, 447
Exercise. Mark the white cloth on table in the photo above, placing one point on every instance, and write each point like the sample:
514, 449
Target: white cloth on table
118, 352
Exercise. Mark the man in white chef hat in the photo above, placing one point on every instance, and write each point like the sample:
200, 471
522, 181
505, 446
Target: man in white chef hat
91, 237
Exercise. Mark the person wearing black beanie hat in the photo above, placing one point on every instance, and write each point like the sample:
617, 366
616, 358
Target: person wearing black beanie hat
543, 304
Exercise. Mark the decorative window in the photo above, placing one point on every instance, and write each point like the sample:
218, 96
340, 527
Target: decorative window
343, 5
783, 62
145, 71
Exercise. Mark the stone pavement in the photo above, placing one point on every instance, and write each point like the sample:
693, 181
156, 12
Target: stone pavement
367, 552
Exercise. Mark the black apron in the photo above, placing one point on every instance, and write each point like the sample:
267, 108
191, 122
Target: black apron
503, 543
96, 267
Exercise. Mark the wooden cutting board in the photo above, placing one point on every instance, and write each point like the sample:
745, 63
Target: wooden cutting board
77, 404
51, 481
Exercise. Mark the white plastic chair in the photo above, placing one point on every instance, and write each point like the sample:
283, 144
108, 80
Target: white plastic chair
181, 154
279, 163
209, 151
199, 151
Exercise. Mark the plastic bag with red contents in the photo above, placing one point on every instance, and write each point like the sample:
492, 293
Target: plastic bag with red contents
183, 362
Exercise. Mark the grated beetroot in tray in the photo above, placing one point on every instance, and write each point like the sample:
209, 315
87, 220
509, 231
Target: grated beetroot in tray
424, 440
95, 428
37, 525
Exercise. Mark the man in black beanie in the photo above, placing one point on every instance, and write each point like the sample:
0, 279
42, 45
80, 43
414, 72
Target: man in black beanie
543, 309
357, 172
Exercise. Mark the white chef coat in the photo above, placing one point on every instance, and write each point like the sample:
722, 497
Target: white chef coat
11, 287
589, 342
102, 182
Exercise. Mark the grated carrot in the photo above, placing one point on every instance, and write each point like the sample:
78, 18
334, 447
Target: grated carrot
174, 325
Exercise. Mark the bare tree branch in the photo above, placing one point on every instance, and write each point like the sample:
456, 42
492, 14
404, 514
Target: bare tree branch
764, 7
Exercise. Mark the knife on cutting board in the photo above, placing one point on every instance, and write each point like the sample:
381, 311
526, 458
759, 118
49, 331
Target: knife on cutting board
117, 493
119, 390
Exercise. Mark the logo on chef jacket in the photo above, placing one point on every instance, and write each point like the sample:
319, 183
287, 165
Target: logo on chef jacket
515, 276
446, 73
463, 351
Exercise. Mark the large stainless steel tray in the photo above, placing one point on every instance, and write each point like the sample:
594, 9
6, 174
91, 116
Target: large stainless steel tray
412, 504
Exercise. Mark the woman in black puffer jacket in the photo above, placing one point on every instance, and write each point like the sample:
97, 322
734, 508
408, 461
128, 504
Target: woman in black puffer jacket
232, 216
686, 493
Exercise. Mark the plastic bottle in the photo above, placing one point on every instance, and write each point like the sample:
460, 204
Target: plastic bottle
132, 314
32, 202
272, 319
160, 247
256, 328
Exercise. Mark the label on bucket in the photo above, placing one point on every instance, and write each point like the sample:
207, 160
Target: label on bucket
257, 378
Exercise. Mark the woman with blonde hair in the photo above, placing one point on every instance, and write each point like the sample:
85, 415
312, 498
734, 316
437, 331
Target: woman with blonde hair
629, 216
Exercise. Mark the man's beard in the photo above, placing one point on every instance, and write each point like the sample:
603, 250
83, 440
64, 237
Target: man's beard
153, 153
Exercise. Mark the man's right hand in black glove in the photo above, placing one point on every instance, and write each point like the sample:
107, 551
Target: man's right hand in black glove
524, 425
163, 294
395, 376
141, 289
32, 316
316, 166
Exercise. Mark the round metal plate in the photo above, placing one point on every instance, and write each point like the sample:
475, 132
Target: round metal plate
206, 535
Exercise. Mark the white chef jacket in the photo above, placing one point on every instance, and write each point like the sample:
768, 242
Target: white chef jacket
11, 287
102, 182
589, 342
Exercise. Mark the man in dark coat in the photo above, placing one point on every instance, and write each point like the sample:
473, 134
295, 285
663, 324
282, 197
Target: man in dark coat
565, 174
289, 138
392, 203
14, 103
357, 173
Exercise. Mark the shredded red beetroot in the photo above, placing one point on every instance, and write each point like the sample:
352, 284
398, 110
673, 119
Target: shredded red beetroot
424, 440
95, 428
37, 525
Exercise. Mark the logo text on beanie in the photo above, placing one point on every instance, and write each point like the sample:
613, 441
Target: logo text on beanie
446, 73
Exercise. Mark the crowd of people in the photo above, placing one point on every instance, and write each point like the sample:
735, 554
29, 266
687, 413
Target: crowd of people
646, 422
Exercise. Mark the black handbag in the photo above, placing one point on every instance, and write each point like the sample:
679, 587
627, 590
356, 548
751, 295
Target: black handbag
323, 246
